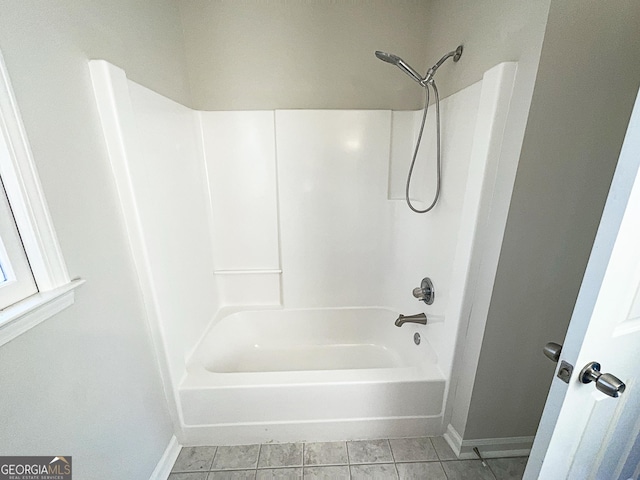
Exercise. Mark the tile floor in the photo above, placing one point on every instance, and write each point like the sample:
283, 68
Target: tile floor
422, 458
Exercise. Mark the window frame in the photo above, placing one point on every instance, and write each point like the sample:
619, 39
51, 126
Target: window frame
31, 214
16, 277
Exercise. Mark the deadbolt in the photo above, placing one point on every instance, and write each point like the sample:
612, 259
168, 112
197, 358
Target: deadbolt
552, 351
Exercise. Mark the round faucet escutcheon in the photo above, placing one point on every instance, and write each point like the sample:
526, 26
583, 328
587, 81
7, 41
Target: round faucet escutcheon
425, 291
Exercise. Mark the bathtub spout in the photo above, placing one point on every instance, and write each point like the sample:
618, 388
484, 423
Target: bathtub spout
420, 318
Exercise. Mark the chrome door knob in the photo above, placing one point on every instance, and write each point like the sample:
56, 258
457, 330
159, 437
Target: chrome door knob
605, 382
552, 351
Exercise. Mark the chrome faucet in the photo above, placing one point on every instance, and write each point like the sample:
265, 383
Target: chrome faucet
420, 318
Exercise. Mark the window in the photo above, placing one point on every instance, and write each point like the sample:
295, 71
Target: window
16, 279
34, 283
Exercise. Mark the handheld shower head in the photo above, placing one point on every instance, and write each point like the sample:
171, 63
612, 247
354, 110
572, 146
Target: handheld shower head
388, 57
401, 64
406, 68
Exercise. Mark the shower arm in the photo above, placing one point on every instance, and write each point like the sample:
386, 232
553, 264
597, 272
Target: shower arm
456, 54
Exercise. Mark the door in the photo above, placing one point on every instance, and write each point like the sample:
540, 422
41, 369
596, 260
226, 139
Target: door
585, 434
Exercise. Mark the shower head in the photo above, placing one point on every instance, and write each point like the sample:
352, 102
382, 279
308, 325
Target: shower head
401, 64
406, 68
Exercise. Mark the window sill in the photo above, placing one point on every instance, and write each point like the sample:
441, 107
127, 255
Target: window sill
26, 314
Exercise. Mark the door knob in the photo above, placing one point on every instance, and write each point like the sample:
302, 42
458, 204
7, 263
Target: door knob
552, 351
605, 382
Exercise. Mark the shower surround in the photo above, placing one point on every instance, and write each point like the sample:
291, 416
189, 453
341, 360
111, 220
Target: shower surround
285, 233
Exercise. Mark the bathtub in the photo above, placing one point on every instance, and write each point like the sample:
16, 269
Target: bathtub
297, 375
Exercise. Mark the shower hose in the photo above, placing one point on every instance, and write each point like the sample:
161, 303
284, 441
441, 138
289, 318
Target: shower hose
432, 83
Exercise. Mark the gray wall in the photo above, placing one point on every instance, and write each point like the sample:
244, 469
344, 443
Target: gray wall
584, 92
257, 55
85, 382
252, 54
492, 31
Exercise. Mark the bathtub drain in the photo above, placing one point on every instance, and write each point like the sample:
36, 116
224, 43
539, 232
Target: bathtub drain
416, 338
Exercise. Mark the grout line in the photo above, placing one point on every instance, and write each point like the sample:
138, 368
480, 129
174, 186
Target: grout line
491, 469
304, 449
435, 449
395, 465
258, 459
445, 472
215, 452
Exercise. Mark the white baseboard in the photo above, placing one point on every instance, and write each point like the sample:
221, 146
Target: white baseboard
488, 447
454, 439
163, 468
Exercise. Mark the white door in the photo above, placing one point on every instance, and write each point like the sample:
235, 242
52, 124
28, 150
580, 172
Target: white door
585, 434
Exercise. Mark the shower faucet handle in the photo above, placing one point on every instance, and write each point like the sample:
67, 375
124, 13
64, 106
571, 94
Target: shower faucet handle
425, 291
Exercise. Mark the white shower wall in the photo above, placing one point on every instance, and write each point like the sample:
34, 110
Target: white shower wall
313, 211
319, 196
332, 182
425, 244
155, 153
299, 208
171, 194
241, 166
240, 159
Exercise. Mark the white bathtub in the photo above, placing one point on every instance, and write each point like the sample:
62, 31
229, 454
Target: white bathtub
296, 375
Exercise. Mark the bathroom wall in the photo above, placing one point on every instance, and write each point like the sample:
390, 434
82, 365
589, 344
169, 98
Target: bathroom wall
240, 158
303, 200
334, 214
155, 151
86, 381
426, 244
584, 92
256, 55
310, 193
297, 54
309, 210
491, 32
